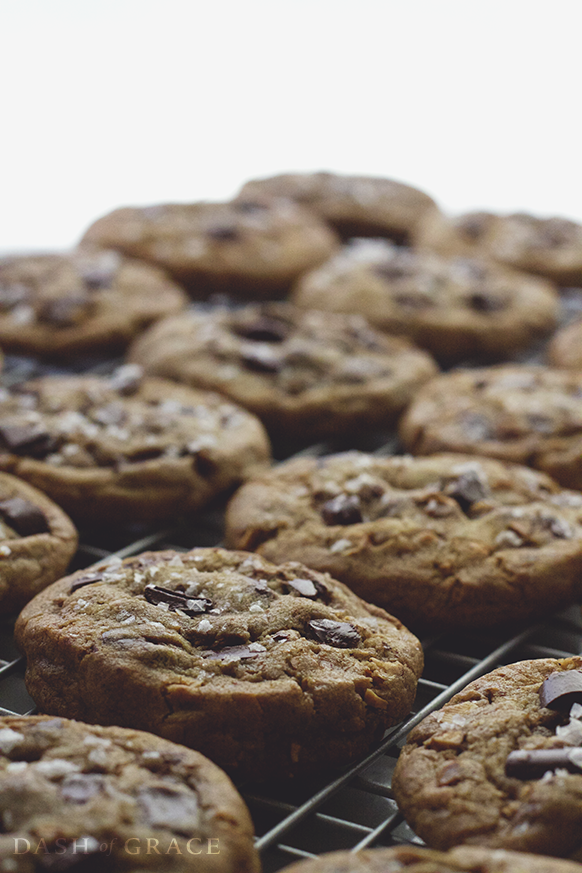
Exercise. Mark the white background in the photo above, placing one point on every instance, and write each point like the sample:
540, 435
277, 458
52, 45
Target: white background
118, 102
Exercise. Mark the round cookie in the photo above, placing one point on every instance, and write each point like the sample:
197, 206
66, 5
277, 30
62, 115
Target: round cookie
565, 349
416, 859
251, 248
37, 541
305, 374
271, 671
454, 307
530, 415
459, 779
106, 799
550, 247
443, 542
123, 448
353, 205
82, 302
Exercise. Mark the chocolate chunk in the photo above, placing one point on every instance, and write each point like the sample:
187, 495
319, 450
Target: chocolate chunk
561, 690
532, 764
232, 653
86, 579
467, 489
248, 207
482, 302
111, 413
473, 224
100, 275
64, 311
343, 509
204, 464
224, 233
26, 439
281, 636
177, 600
335, 633
127, 379
81, 787
305, 587
263, 329
23, 516
168, 808
261, 359
145, 454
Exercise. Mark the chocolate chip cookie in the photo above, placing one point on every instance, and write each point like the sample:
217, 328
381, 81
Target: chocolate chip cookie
252, 247
306, 374
123, 448
565, 349
37, 541
353, 205
550, 247
442, 542
500, 765
530, 415
269, 670
414, 859
83, 302
455, 307
77, 796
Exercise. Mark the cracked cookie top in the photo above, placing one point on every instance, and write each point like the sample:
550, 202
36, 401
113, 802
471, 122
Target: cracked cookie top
270, 670
78, 796
126, 447
445, 541
82, 302
303, 372
454, 307
251, 247
451, 780
530, 415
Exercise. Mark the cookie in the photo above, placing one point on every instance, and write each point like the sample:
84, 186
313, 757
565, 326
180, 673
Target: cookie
123, 448
77, 796
530, 415
414, 859
269, 670
83, 302
253, 248
565, 349
550, 247
455, 307
353, 205
500, 764
37, 541
307, 375
443, 542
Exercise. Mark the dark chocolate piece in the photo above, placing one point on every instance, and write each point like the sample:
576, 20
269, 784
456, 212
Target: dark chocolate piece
87, 579
467, 489
224, 233
23, 516
263, 329
26, 439
481, 302
340, 634
232, 653
177, 600
533, 763
343, 509
562, 689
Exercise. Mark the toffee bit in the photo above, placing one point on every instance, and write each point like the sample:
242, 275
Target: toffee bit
343, 509
191, 606
561, 689
340, 634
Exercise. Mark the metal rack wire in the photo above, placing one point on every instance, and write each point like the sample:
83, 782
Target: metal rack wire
356, 808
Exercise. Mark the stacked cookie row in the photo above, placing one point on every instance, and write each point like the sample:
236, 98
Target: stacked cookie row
261, 658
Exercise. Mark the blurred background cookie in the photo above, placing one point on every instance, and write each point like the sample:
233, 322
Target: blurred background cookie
454, 307
82, 302
250, 248
306, 374
565, 349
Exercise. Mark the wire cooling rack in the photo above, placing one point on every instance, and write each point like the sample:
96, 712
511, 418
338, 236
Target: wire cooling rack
356, 809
